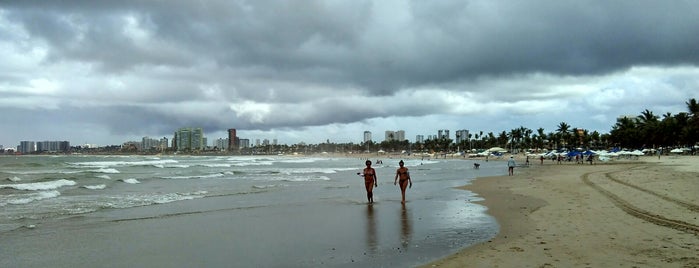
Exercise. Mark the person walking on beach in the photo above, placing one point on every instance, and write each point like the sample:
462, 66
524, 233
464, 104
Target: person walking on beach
404, 176
511, 166
370, 182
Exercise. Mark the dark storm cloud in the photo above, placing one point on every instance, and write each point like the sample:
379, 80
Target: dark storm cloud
368, 45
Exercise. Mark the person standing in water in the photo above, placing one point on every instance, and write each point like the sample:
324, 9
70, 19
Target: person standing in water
404, 175
370, 181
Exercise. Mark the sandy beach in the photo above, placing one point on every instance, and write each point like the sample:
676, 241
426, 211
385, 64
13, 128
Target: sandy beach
631, 213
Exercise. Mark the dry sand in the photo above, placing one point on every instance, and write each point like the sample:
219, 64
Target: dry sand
633, 213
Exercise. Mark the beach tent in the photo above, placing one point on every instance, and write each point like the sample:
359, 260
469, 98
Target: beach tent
677, 151
636, 153
589, 152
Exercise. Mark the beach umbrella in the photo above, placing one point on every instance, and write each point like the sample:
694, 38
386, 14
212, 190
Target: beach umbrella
497, 150
677, 151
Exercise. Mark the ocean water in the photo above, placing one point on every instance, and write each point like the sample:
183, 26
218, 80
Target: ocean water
308, 211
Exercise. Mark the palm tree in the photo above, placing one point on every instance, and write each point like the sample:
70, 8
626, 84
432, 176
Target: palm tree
648, 126
693, 127
563, 131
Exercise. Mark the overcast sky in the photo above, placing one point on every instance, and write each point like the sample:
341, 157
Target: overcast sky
106, 72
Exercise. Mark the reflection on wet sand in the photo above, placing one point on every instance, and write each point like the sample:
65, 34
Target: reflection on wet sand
405, 230
371, 237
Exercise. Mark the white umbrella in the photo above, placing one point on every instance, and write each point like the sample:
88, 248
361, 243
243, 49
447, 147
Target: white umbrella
679, 151
497, 150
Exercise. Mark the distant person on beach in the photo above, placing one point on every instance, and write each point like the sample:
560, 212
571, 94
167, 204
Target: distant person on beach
511, 166
404, 176
370, 182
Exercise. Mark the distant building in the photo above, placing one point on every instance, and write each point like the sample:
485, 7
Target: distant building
462, 136
420, 138
53, 146
443, 134
233, 141
189, 139
26, 147
163, 144
367, 136
148, 144
400, 135
222, 144
244, 143
389, 135
395, 135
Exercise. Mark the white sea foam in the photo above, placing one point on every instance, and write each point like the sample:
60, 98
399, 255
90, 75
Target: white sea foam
106, 177
14, 179
106, 170
124, 163
144, 200
302, 179
216, 165
264, 186
95, 187
39, 186
131, 181
28, 198
208, 176
177, 166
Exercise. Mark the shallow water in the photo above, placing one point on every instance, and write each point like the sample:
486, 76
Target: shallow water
216, 211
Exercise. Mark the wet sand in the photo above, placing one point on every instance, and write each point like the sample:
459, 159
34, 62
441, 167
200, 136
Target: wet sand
625, 213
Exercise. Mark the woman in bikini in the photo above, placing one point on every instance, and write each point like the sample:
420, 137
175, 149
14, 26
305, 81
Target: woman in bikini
369, 181
404, 176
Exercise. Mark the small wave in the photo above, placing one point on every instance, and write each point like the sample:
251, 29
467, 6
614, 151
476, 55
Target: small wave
131, 181
123, 163
106, 177
39, 186
14, 179
264, 186
209, 176
107, 170
28, 198
95, 187
216, 165
302, 179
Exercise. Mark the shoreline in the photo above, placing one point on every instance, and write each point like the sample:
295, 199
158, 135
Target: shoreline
566, 216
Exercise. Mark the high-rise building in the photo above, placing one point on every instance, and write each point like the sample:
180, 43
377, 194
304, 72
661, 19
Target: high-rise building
461, 136
53, 146
26, 147
148, 143
367, 136
189, 139
420, 138
244, 143
221, 144
233, 141
443, 134
400, 135
389, 135
163, 144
